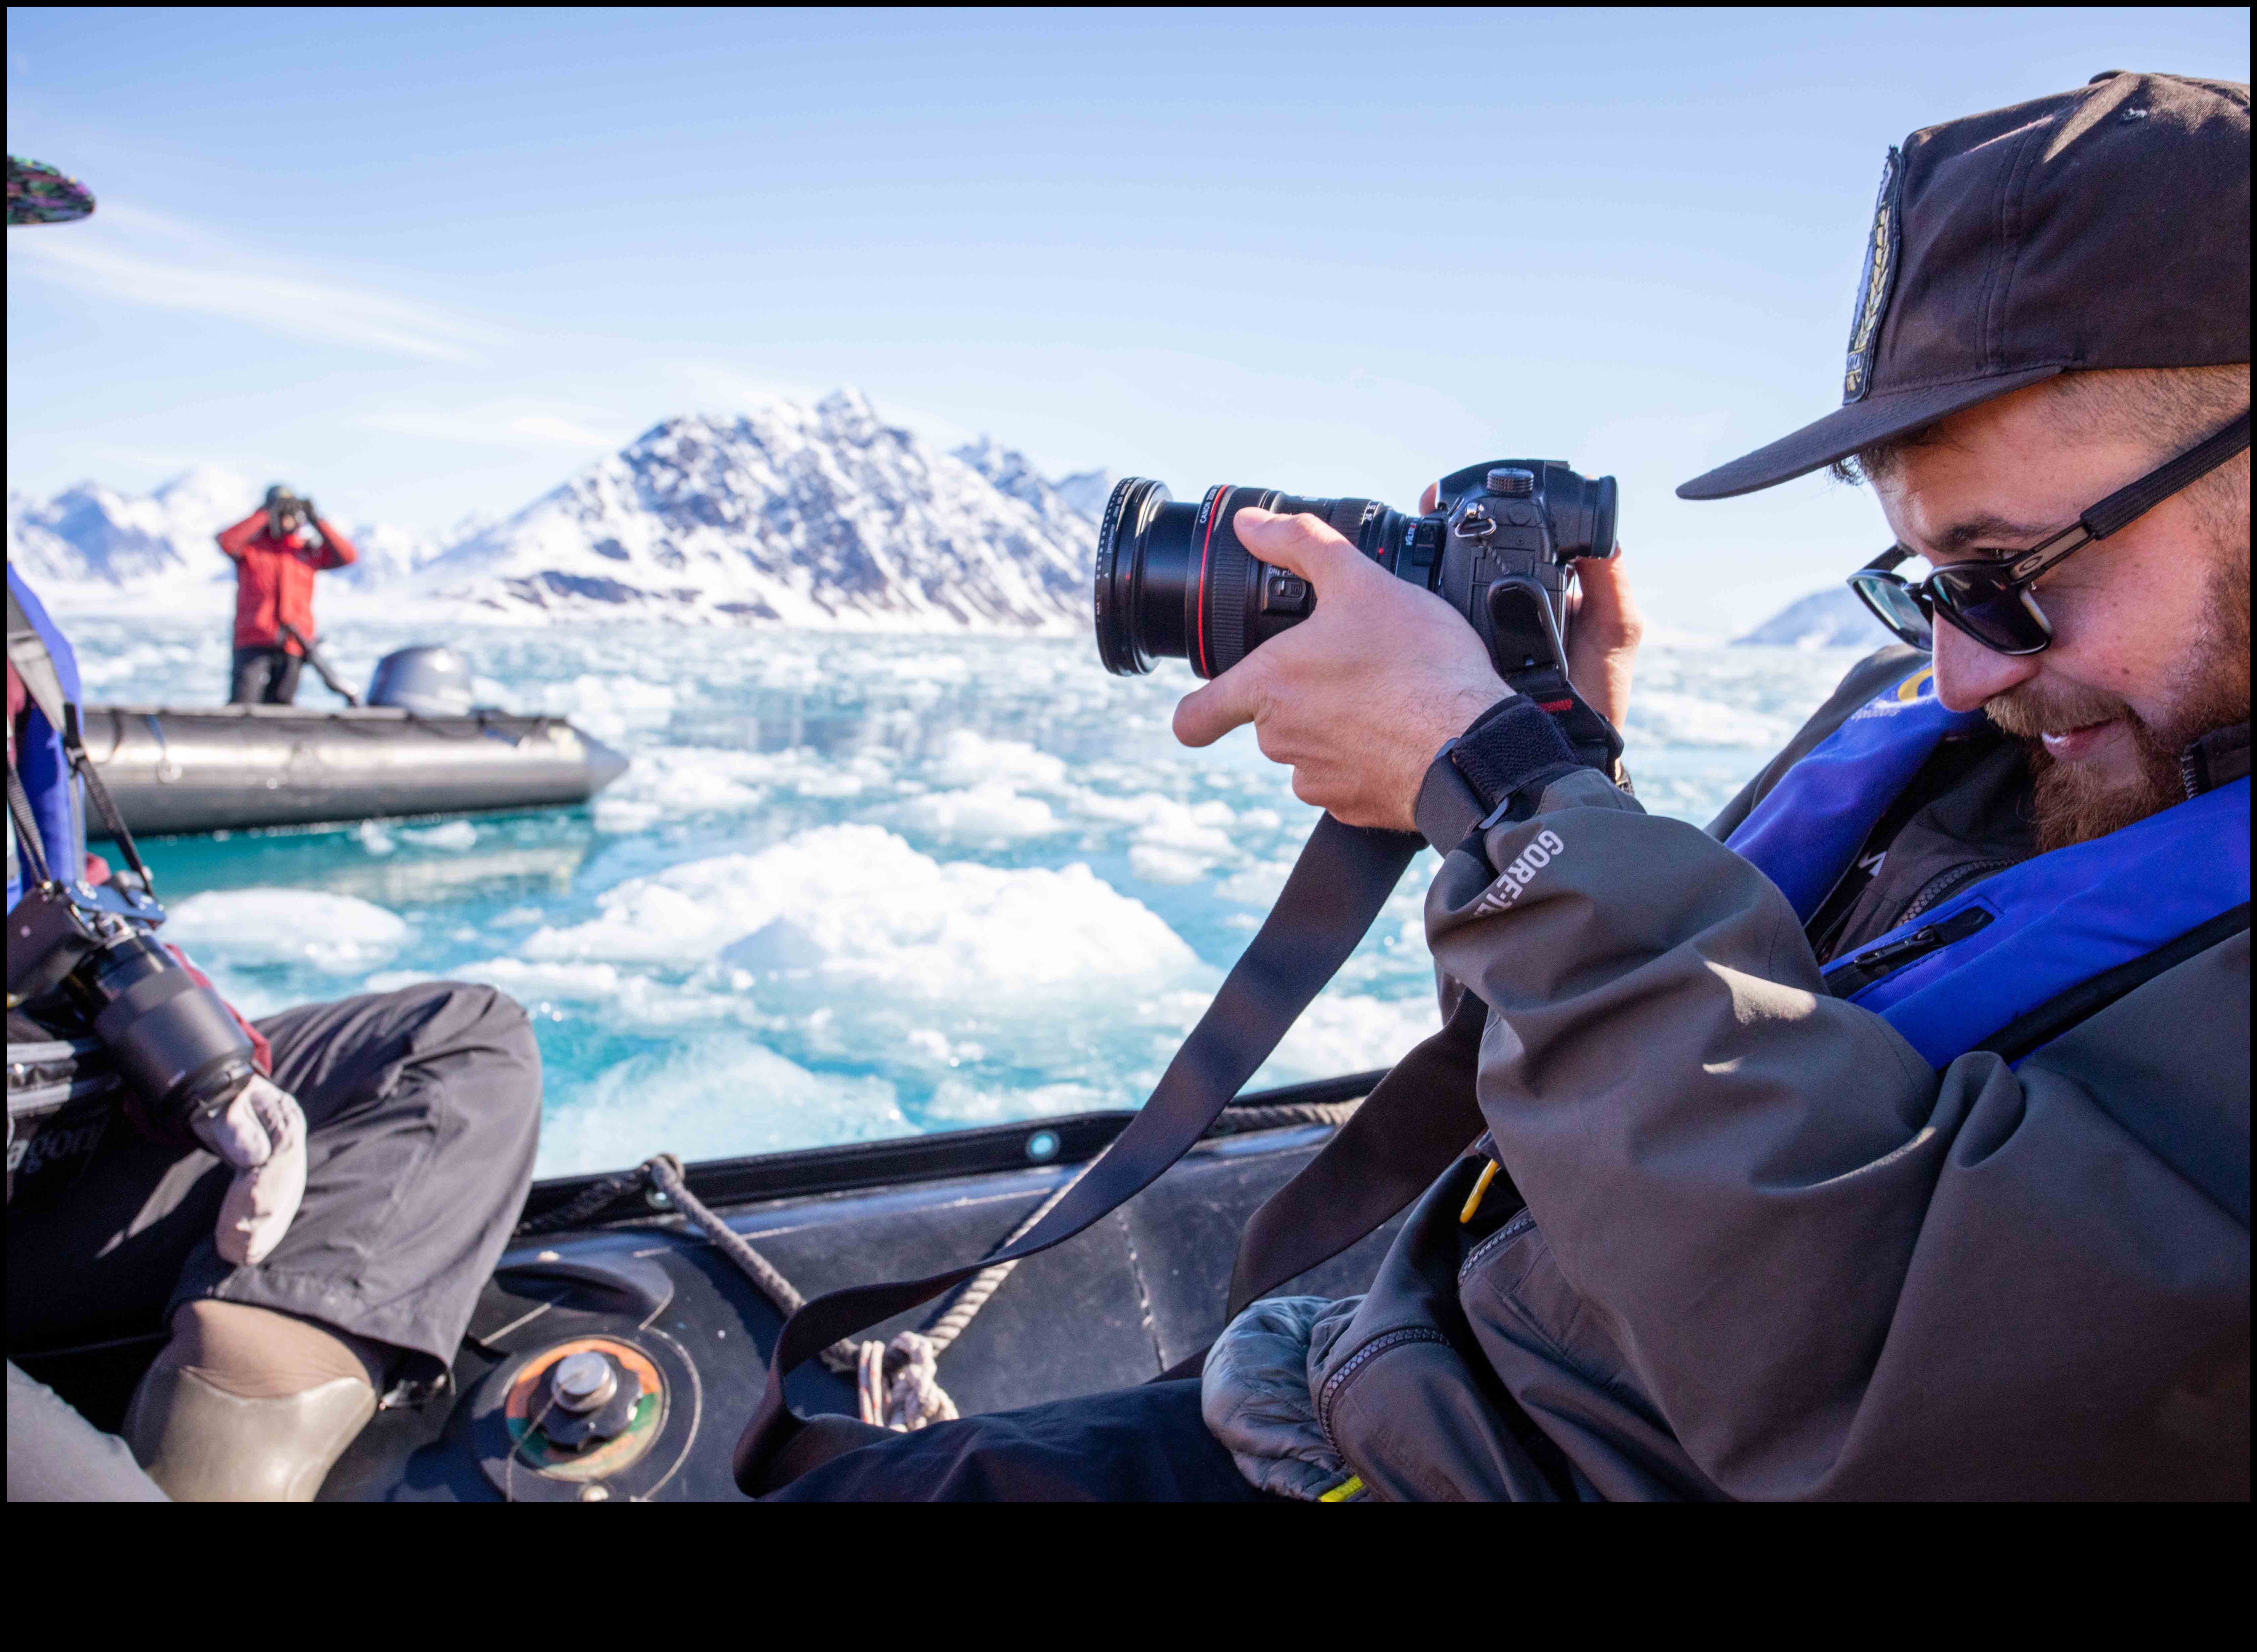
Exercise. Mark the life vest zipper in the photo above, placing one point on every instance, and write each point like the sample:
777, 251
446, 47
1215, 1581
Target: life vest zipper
1944, 884
1357, 1362
1852, 975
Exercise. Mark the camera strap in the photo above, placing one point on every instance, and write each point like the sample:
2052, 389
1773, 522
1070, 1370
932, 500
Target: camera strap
29, 843
27, 651
1343, 877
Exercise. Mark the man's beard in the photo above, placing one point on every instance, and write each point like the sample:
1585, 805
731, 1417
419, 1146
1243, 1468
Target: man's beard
2074, 804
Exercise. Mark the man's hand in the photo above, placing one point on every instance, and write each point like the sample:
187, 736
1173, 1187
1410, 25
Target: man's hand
1359, 696
262, 1133
1604, 628
307, 510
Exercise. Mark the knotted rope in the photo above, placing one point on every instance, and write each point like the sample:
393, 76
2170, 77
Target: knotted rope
896, 1383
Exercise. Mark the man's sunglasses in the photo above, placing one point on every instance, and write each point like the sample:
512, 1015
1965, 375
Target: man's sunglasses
1990, 599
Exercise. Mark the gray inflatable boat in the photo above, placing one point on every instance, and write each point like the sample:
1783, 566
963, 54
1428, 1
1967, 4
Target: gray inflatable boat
418, 748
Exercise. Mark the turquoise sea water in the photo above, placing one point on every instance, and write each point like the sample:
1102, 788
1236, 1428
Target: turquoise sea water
850, 886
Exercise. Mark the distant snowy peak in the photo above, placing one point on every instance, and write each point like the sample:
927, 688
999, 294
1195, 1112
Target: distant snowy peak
1830, 619
92, 545
823, 516
1081, 494
91, 532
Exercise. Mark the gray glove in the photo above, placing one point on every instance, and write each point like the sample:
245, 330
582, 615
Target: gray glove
262, 1133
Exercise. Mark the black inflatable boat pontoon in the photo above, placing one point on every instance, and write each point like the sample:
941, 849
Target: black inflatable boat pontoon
233, 768
1117, 1305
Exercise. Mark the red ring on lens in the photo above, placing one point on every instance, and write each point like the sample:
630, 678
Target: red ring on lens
1207, 555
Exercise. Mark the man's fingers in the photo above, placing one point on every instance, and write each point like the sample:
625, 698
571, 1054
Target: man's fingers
1206, 715
1609, 613
1430, 497
1301, 543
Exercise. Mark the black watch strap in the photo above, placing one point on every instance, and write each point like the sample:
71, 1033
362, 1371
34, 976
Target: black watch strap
1505, 758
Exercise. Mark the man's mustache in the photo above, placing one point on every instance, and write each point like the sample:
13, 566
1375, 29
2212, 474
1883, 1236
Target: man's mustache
2035, 709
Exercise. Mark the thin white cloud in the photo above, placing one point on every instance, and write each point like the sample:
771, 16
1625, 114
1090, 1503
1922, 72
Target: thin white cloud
120, 254
510, 426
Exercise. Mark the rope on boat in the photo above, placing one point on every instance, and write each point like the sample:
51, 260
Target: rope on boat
1233, 1121
896, 1382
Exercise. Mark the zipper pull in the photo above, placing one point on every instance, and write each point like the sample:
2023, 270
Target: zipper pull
1852, 975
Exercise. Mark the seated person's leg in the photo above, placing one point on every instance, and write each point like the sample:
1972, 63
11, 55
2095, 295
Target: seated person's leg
1134, 1445
248, 1405
423, 1106
56, 1456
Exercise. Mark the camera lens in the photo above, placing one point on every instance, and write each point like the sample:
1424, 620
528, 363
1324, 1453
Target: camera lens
1144, 574
1173, 582
171, 1036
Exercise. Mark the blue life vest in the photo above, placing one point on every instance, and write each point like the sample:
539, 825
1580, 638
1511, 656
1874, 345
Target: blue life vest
2023, 936
40, 763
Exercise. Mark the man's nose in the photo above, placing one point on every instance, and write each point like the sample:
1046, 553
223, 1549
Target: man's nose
1970, 677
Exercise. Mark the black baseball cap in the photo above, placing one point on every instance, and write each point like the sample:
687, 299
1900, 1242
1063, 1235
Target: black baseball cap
2105, 227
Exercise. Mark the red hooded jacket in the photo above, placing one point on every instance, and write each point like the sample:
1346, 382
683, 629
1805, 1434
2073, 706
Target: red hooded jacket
275, 578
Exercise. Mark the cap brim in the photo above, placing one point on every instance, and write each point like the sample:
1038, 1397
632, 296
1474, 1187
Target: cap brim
1843, 431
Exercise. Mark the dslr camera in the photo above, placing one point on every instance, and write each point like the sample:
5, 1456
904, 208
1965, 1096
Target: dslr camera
1174, 582
87, 955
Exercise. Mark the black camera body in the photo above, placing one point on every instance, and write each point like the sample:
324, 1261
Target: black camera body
1174, 581
91, 952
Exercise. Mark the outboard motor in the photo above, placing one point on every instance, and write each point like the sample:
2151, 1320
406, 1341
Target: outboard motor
430, 680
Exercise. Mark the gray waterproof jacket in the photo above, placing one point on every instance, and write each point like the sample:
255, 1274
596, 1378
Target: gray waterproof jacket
1767, 1250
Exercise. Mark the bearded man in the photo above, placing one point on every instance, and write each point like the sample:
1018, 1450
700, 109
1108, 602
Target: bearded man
1891, 1138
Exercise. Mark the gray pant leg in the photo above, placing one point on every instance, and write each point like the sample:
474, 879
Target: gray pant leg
426, 1108
422, 1107
56, 1456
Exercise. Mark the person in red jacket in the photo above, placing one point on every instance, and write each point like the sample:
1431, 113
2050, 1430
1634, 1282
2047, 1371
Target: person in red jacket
274, 569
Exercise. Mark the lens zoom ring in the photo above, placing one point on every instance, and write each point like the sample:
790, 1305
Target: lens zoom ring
1227, 592
1347, 518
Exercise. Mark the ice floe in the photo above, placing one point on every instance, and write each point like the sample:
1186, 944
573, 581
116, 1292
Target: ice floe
337, 934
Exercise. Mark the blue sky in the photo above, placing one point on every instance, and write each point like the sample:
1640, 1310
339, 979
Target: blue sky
423, 263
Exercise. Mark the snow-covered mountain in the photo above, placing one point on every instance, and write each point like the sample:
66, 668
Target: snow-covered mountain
823, 516
1082, 494
1830, 619
91, 546
91, 535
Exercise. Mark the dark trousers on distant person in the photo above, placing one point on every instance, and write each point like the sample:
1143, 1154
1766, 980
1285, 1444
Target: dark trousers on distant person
265, 676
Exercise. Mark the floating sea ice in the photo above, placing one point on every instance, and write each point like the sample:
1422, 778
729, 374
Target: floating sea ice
715, 1095
1256, 885
1343, 1033
882, 917
1684, 719
454, 834
245, 927
625, 815
966, 759
956, 1104
607, 706
988, 814
1158, 865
